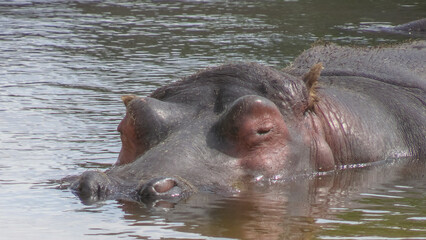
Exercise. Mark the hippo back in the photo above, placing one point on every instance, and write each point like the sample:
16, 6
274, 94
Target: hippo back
402, 65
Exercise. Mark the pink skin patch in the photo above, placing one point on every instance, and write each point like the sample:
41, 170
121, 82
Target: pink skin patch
130, 149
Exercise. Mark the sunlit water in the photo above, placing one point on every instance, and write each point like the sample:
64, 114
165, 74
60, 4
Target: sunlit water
65, 64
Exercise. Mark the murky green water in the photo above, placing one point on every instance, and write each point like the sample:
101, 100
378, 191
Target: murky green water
65, 64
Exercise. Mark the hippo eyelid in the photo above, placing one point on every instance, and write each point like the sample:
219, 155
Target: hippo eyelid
263, 131
265, 128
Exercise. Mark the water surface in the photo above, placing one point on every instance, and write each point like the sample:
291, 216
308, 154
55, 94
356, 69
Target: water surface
65, 64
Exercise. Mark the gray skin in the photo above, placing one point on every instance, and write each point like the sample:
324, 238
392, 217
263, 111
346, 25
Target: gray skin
227, 127
418, 26
416, 29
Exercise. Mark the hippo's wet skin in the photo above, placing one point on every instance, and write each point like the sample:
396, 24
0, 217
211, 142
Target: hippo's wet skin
233, 124
414, 26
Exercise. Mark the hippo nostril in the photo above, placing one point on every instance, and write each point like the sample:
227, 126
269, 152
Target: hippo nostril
164, 185
161, 188
92, 185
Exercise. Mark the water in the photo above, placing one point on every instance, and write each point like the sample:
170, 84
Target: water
65, 64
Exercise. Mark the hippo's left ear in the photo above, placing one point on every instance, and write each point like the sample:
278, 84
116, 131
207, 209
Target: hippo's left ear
311, 81
127, 98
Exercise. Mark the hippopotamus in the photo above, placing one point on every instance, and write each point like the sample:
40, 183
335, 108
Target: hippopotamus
415, 29
417, 26
227, 127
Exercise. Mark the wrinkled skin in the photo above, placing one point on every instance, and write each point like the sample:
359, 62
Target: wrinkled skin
233, 125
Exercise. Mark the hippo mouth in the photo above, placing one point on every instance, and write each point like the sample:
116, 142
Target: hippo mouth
93, 186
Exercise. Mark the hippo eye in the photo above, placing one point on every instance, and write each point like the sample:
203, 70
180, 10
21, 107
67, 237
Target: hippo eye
264, 128
252, 121
263, 131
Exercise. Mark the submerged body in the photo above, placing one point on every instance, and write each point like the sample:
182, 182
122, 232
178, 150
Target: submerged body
417, 27
234, 124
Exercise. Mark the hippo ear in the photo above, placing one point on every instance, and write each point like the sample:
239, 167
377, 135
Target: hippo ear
127, 98
311, 81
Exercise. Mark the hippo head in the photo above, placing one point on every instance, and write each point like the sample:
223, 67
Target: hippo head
214, 131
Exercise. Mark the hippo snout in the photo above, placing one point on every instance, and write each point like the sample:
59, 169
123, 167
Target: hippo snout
92, 185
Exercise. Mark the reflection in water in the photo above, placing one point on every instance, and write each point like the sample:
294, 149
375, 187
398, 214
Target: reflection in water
366, 200
65, 64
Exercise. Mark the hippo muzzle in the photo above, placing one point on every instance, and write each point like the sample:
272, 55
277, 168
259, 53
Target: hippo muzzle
93, 186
